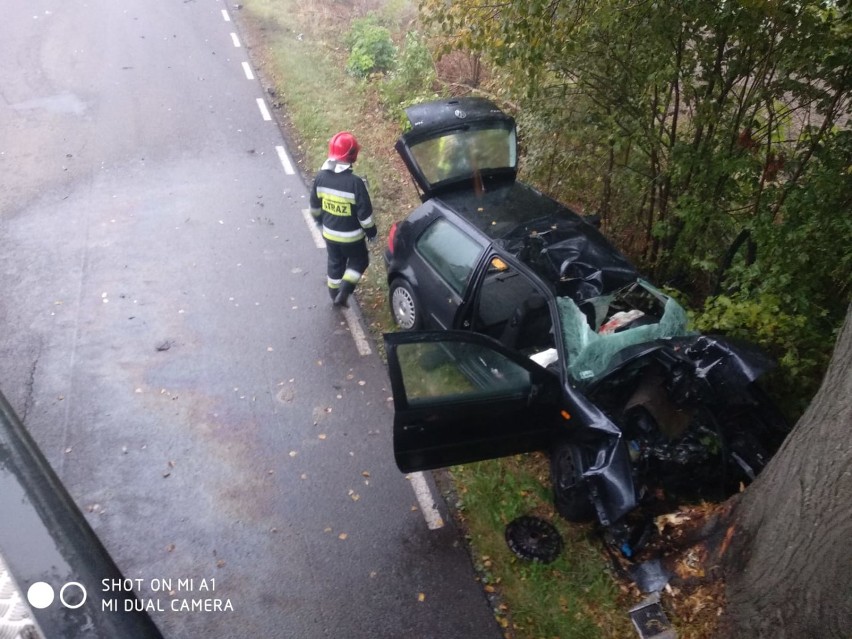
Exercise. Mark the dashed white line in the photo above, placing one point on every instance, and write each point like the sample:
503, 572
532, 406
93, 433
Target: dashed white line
422, 492
426, 501
285, 161
425, 498
247, 71
312, 227
264, 112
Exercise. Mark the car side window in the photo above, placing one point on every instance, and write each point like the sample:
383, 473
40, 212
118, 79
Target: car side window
458, 371
450, 251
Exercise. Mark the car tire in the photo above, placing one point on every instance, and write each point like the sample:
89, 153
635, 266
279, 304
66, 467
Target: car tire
405, 307
570, 494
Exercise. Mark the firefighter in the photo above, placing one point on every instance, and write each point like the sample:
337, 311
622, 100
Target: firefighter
341, 207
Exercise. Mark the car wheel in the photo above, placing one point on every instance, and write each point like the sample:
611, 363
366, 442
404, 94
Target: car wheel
570, 494
404, 305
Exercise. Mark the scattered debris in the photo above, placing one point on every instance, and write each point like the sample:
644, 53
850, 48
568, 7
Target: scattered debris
650, 620
533, 539
650, 576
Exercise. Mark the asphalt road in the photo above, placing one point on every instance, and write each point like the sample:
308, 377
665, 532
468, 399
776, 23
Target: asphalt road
166, 337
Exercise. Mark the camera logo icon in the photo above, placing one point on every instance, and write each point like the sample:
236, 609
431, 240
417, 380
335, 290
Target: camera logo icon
72, 595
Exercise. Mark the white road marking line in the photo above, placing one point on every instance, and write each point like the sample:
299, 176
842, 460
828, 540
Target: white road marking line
312, 227
247, 71
235, 40
285, 161
264, 112
225, 15
357, 332
362, 344
426, 501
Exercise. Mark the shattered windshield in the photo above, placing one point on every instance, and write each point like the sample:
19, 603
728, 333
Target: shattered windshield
608, 324
464, 153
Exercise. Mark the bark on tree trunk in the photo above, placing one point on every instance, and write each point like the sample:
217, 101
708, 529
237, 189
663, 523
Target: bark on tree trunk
789, 565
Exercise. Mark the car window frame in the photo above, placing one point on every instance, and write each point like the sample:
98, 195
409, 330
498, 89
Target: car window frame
483, 249
475, 286
515, 423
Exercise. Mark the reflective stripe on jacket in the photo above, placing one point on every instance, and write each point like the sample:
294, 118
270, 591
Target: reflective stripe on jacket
340, 203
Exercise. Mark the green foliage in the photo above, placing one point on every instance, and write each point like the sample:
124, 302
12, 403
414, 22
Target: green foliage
371, 49
413, 78
684, 124
800, 346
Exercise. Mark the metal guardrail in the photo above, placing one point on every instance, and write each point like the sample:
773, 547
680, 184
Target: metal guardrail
52, 552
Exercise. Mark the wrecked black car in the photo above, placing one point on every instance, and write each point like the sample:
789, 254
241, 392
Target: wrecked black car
525, 329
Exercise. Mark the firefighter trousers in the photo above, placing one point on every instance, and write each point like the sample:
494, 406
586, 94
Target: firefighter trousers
346, 263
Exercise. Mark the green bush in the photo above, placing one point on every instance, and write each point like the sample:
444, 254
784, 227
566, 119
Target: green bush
413, 78
371, 49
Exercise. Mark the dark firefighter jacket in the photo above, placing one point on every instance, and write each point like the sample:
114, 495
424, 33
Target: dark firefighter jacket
341, 204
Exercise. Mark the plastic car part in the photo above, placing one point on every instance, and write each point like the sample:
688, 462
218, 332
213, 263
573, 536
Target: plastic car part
533, 539
650, 576
404, 305
650, 620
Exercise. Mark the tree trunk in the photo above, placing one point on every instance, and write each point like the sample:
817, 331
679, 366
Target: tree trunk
789, 565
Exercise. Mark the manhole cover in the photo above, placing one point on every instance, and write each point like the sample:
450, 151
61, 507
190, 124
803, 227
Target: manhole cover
533, 539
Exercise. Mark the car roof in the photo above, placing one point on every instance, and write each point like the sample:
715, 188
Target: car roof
562, 247
499, 211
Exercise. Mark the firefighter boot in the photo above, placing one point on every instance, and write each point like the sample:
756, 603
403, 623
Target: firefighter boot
345, 290
332, 292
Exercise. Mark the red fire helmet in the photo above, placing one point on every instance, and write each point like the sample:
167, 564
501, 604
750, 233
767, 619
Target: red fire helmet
343, 147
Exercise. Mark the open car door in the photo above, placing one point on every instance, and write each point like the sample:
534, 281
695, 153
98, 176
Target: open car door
461, 397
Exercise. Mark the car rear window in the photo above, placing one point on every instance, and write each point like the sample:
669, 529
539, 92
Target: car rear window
450, 251
465, 153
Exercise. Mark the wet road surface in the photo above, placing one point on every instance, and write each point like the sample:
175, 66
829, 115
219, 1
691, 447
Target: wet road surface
168, 340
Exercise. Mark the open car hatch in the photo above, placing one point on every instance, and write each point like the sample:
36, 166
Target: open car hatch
463, 141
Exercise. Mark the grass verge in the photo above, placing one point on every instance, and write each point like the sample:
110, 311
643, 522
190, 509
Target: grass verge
297, 50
